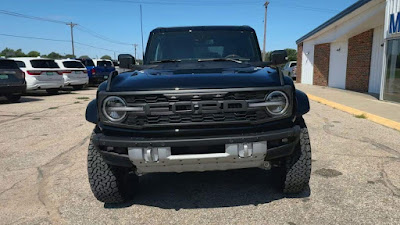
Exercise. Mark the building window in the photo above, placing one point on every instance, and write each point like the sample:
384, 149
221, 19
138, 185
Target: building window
392, 79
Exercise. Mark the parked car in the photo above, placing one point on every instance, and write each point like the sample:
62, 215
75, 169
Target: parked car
74, 73
294, 73
41, 74
12, 80
98, 69
288, 69
202, 101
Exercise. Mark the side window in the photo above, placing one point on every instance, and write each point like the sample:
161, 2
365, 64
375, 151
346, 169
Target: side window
20, 64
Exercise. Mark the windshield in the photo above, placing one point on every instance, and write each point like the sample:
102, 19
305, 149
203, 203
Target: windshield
43, 63
195, 45
104, 64
73, 64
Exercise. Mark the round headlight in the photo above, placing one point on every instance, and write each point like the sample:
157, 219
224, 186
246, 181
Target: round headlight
110, 108
279, 103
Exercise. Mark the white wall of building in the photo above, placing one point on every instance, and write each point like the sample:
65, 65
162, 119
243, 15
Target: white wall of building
338, 64
307, 66
370, 16
376, 61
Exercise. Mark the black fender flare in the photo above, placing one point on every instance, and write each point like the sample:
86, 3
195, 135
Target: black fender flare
302, 102
92, 112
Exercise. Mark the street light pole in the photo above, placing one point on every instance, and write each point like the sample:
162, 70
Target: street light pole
265, 30
72, 36
135, 45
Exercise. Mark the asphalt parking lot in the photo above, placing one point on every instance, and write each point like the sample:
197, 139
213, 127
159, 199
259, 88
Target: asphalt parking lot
43, 147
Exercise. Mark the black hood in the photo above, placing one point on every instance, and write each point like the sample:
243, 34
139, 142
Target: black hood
185, 76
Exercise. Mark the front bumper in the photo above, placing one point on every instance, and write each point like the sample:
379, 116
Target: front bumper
154, 155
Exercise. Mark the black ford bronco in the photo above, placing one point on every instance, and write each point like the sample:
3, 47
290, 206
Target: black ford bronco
203, 100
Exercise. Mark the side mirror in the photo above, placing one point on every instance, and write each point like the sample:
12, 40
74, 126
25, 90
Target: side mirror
126, 61
278, 57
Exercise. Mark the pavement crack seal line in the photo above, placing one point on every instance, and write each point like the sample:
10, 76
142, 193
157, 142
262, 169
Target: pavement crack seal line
372, 117
386, 180
44, 172
327, 129
26, 114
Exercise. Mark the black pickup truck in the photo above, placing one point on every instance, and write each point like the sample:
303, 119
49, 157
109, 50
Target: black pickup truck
203, 100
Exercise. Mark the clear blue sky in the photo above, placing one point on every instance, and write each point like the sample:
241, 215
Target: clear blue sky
119, 20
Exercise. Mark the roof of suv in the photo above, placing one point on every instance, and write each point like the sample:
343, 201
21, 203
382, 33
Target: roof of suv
29, 58
202, 28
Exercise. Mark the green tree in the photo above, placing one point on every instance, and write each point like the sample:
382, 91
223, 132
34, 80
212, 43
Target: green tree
8, 52
19, 53
33, 54
84, 57
54, 55
106, 57
292, 54
70, 56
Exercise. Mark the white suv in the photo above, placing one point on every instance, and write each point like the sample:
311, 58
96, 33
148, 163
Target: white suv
74, 73
41, 74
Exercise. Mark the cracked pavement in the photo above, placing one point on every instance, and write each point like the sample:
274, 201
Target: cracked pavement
43, 146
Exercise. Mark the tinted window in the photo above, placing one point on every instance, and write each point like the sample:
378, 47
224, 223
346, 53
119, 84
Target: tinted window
8, 64
44, 63
73, 64
104, 63
20, 64
184, 45
293, 64
88, 62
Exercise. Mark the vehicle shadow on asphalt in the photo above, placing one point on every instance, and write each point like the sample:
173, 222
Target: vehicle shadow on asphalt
208, 190
24, 99
44, 93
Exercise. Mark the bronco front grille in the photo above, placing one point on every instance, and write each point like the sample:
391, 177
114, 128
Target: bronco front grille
197, 107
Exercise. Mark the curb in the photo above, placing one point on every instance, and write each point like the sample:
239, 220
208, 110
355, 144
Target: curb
372, 117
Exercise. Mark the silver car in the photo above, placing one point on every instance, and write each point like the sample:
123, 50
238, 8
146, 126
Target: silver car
290, 69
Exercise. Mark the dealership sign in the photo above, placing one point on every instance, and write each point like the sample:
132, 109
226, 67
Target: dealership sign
394, 25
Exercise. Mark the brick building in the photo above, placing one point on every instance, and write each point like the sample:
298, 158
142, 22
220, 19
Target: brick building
358, 50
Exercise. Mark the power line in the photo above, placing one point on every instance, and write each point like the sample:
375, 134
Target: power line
220, 3
57, 40
80, 27
93, 33
31, 17
194, 3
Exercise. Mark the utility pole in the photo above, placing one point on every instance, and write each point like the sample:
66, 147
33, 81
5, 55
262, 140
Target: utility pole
72, 36
141, 27
135, 46
265, 30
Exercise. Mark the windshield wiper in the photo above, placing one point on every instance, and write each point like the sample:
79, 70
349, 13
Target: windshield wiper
220, 60
166, 61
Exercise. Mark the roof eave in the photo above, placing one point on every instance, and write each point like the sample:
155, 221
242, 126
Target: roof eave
334, 19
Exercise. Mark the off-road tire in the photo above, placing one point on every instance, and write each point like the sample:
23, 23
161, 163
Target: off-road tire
297, 167
109, 184
13, 98
52, 91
